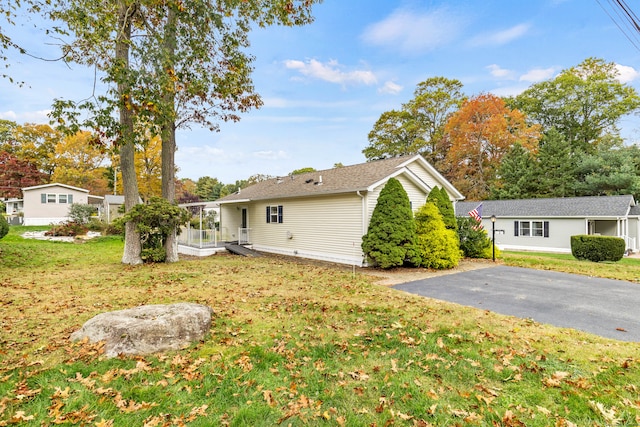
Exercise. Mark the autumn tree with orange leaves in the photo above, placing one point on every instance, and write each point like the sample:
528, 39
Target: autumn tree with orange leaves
480, 134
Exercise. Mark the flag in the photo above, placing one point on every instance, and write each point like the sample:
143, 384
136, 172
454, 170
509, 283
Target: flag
476, 213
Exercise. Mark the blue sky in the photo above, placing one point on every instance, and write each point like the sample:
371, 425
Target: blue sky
324, 85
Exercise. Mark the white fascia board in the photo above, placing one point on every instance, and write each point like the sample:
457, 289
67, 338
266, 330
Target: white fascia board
441, 179
35, 187
230, 202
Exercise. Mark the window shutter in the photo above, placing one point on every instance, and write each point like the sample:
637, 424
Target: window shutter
280, 214
43, 198
70, 198
546, 228
268, 214
515, 228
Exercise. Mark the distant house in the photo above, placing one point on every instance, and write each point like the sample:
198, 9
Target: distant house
49, 203
111, 207
13, 209
546, 225
324, 214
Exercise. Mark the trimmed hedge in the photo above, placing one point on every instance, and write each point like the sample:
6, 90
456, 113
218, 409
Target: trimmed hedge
597, 248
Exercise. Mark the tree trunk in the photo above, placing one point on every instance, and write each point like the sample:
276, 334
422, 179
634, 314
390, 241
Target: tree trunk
169, 131
132, 245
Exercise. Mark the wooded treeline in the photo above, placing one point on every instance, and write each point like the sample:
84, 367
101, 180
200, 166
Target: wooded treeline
558, 138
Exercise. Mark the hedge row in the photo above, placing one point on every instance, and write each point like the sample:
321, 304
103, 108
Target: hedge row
597, 248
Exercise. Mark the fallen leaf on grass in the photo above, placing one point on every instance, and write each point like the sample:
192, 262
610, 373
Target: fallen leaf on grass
20, 416
556, 379
268, 397
608, 414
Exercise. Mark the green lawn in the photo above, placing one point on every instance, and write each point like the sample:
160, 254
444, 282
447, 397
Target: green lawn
291, 344
627, 268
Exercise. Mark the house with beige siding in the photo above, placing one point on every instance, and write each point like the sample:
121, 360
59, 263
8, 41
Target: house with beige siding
49, 203
323, 214
547, 224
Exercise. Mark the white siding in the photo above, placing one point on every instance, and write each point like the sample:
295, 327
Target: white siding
38, 213
327, 228
423, 174
559, 240
230, 220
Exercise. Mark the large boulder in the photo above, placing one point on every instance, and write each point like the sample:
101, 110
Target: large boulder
147, 329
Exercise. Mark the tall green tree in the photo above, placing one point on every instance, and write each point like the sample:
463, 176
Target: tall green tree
208, 188
517, 172
583, 103
433, 103
608, 172
555, 168
394, 134
189, 65
391, 236
418, 127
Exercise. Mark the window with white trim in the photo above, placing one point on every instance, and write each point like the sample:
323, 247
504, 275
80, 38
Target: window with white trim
275, 214
56, 198
531, 228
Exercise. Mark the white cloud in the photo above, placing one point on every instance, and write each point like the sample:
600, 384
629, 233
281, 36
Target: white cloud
391, 88
501, 37
413, 32
499, 72
9, 115
306, 103
40, 116
331, 72
538, 74
626, 74
271, 155
508, 90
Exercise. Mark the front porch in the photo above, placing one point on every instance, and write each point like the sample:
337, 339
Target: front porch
206, 242
617, 228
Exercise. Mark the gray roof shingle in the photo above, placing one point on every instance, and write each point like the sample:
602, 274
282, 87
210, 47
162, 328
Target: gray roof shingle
593, 206
342, 179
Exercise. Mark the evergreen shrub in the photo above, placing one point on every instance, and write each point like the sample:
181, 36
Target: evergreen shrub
597, 248
441, 199
474, 240
391, 236
154, 221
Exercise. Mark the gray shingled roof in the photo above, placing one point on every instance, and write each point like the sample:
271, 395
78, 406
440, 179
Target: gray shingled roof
337, 180
595, 206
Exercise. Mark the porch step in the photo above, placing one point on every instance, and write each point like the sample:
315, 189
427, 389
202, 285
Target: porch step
234, 248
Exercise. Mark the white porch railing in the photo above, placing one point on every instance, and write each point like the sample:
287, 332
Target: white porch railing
630, 242
244, 236
197, 238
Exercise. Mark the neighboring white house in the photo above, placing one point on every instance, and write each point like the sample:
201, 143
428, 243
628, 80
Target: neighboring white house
546, 225
324, 214
13, 209
49, 203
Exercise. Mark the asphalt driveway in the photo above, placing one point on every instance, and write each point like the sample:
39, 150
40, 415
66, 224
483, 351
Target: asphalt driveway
609, 308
